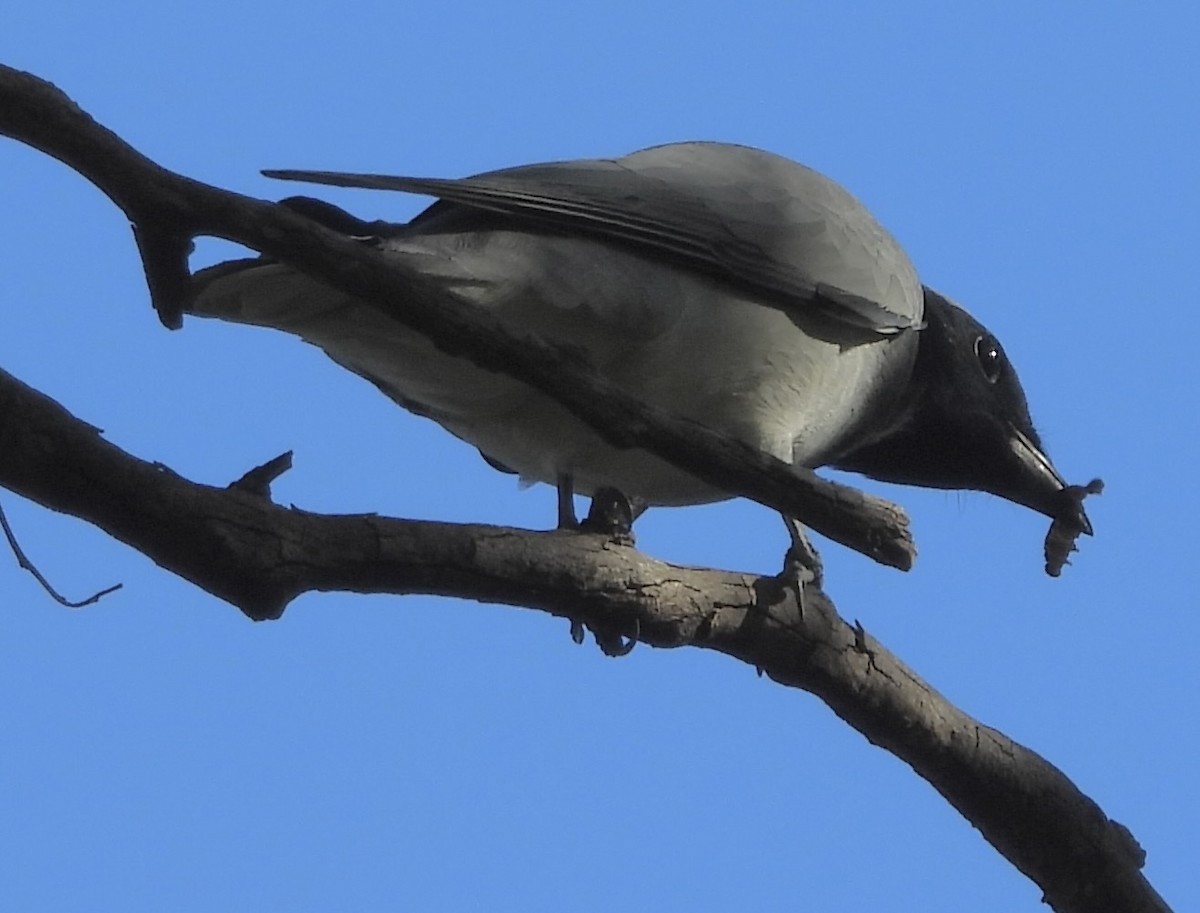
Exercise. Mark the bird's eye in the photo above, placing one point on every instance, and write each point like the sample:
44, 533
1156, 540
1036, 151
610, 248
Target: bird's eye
991, 357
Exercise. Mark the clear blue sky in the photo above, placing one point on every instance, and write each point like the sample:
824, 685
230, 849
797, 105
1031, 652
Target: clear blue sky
160, 752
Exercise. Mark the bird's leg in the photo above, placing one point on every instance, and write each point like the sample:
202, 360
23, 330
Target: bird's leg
566, 501
565, 486
567, 520
802, 562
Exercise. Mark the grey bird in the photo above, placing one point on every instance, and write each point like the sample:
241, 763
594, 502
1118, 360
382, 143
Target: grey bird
719, 282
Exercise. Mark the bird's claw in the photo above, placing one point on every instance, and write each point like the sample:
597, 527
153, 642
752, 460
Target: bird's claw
802, 562
611, 514
611, 642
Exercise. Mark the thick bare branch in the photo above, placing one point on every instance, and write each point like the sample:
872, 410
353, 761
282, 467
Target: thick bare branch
242, 548
166, 208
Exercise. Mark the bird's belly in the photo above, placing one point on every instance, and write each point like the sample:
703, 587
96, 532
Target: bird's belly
737, 366
677, 340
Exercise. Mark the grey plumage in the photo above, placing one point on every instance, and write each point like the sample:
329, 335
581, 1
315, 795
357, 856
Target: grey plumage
721, 283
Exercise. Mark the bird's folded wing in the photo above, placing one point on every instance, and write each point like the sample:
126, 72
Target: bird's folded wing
609, 201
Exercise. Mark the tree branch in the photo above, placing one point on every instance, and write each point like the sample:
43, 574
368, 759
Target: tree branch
240, 547
166, 208
236, 544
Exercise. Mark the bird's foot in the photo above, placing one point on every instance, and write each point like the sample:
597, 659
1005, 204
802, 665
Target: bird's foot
611, 514
802, 564
611, 641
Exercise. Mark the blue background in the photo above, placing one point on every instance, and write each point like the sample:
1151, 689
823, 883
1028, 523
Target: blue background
160, 752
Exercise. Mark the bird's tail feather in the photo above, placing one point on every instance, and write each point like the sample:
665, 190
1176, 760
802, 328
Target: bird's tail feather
402, 363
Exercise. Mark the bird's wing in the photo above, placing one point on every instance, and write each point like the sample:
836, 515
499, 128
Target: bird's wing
750, 218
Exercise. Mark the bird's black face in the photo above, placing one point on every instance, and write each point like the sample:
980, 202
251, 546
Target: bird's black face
966, 423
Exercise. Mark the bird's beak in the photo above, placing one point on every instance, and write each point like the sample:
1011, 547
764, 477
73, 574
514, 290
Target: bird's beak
1041, 487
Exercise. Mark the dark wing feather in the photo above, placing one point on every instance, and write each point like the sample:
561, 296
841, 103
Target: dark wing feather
610, 201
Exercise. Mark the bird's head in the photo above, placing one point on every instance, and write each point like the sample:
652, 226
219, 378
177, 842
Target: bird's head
965, 423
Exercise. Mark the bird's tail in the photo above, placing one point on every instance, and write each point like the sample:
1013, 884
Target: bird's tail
402, 363
264, 293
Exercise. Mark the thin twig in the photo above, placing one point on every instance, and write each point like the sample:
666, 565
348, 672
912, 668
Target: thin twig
258, 480
28, 565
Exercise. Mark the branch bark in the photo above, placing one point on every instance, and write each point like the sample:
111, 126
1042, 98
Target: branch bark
236, 544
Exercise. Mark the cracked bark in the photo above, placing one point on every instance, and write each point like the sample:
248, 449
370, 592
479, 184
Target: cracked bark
237, 545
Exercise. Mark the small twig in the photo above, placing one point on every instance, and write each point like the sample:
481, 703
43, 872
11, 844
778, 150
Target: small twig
258, 480
28, 565
861, 646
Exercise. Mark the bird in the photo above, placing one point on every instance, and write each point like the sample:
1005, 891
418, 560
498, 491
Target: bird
719, 282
